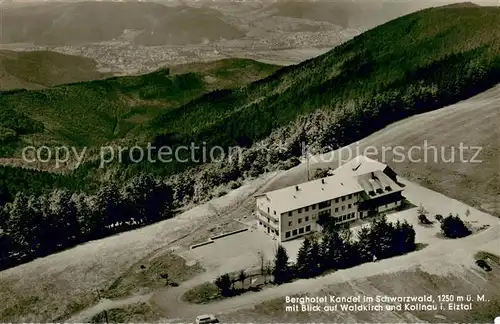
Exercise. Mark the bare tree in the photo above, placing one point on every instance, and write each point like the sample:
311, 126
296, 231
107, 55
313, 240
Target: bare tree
261, 259
105, 311
422, 215
422, 211
268, 271
241, 277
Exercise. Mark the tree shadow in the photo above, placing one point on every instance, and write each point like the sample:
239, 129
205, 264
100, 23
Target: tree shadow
420, 246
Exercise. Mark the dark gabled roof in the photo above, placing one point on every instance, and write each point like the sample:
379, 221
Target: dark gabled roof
377, 184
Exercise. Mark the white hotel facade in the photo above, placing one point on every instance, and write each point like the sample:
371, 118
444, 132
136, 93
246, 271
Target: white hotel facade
357, 189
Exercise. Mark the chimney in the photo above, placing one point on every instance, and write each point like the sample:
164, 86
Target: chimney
296, 188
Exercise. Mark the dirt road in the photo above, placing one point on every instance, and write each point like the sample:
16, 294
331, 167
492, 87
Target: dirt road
107, 304
169, 300
436, 257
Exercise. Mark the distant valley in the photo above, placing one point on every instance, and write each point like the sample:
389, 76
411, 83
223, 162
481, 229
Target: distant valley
145, 36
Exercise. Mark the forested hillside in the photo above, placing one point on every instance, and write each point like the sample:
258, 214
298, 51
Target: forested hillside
411, 65
95, 112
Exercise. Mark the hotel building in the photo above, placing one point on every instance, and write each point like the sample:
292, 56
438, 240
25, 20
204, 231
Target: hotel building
359, 188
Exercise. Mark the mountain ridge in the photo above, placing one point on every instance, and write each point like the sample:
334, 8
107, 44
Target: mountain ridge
340, 76
412, 64
68, 23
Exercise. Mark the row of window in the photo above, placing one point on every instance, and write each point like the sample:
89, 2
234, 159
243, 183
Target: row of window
349, 206
345, 217
389, 205
300, 231
269, 211
268, 222
327, 212
380, 191
270, 229
343, 198
305, 209
323, 204
299, 221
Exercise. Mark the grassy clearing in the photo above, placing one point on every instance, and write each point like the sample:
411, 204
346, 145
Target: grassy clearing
483, 312
227, 73
131, 313
31, 305
45, 302
145, 275
402, 283
25, 305
203, 294
209, 292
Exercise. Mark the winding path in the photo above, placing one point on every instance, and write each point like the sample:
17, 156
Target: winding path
169, 300
107, 304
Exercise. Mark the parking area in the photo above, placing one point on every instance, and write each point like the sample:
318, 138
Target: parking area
437, 203
237, 251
